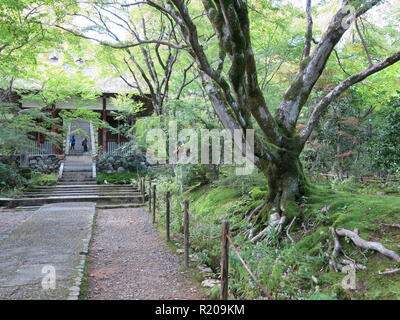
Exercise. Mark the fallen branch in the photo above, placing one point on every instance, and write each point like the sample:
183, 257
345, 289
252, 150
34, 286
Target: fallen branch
389, 271
377, 246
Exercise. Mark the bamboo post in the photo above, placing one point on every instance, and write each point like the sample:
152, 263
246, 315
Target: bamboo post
167, 215
224, 261
154, 203
186, 232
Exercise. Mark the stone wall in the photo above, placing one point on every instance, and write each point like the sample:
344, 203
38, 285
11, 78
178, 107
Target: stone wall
110, 163
46, 163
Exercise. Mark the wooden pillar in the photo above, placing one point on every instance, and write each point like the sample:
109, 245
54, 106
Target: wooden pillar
38, 139
104, 130
54, 114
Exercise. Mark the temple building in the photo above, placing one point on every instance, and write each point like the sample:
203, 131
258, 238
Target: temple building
107, 140
109, 86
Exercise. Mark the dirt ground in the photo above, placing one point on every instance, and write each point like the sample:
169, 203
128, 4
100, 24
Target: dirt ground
129, 260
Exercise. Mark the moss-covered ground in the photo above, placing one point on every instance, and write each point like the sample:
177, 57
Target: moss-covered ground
296, 270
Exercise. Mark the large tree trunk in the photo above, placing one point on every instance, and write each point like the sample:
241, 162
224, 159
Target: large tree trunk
287, 185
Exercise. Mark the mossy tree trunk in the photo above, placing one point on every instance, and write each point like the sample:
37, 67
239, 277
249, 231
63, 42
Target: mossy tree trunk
239, 101
287, 184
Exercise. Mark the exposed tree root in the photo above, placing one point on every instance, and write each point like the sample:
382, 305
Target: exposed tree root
288, 230
255, 211
275, 224
352, 263
389, 271
333, 258
377, 246
391, 225
337, 248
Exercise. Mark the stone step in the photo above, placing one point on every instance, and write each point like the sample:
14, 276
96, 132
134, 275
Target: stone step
119, 206
77, 176
81, 193
69, 183
77, 172
11, 203
78, 158
77, 179
67, 188
77, 168
89, 188
77, 185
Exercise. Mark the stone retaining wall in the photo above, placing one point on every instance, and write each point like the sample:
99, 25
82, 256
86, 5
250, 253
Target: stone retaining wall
45, 163
110, 163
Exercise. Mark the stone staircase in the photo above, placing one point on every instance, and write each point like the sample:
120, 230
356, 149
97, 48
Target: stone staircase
78, 169
80, 129
77, 184
110, 195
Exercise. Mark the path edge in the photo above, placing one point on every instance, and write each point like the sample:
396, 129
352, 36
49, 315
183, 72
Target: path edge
76, 291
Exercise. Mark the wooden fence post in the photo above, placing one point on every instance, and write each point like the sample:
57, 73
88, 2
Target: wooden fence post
186, 232
154, 203
149, 196
144, 189
167, 214
224, 261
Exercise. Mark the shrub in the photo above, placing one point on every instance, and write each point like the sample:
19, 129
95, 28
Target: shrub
243, 184
195, 174
10, 177
43, 180
115, 178
26, 172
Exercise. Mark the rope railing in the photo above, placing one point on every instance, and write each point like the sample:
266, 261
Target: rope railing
226, 240
246, 266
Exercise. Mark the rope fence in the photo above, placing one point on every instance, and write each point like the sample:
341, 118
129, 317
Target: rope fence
226, 240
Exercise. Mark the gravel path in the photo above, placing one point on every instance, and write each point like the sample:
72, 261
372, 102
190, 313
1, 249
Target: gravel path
129, 260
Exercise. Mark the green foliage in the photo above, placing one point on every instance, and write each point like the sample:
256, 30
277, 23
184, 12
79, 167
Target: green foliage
115, 178
383, 148
356, 139
288, 270
255, 182
16, 128
43, 180
17, 179
258, 194
10, 177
